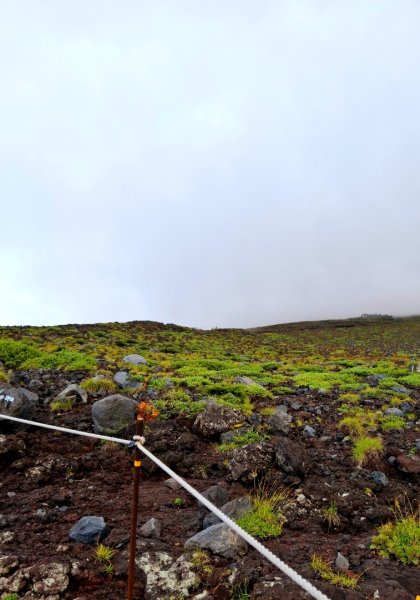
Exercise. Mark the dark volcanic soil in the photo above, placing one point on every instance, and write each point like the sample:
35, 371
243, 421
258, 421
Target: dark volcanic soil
50, 480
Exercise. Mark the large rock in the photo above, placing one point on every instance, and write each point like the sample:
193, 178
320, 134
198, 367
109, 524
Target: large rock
280, 421
166, 577
292, 457
16, 402
135, 359
249, 461
233, 509
216, 419
113, 414
88, 530
220, 540
74, 392
123, 379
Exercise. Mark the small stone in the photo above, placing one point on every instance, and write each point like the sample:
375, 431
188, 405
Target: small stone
379, 478
341, 563
172, 484
233, 509
400, 389
122, 378
246, 381
394, 411
151, 529
216, 494
418, 445
88, 530
73, 390
296, 406
309, 431
11, 494
135, 359
41, 514
406, 407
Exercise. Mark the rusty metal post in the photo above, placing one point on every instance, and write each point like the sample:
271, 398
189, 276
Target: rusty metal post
134, 512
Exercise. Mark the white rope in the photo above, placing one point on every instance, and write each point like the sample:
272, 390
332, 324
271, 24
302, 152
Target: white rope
272, 558
66, 430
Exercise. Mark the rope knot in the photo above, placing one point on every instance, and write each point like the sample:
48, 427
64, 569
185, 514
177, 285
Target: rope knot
139, 439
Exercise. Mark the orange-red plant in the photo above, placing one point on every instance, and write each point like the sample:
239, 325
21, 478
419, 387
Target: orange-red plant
146, 411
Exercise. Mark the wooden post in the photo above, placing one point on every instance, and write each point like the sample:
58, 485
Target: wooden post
134, 512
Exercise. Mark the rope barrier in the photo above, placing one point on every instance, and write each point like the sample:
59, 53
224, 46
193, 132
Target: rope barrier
139, 443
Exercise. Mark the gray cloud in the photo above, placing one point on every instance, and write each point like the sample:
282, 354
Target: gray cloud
231, 164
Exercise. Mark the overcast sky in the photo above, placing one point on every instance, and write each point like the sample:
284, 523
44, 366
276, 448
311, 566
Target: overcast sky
223, 163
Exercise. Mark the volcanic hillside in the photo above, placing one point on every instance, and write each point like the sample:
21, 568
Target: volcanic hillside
306, 434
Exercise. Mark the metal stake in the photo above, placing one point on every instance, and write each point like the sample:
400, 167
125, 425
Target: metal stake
134, 512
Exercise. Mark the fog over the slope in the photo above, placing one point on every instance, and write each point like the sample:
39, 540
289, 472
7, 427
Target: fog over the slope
209, 164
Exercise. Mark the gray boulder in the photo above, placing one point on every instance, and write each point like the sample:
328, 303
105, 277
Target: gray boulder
16, 402
74, 392
220, 540
249, 461
280, 421
216, 419
135, 359
123, 379
292, 457
88, 530
233, 509
113, 414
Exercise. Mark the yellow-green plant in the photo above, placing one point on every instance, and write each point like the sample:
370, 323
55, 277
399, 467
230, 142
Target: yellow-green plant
201, 561
330, 515
266, 517
324, 570
367, 449
64, 404
99, 386
400, 538
103, 553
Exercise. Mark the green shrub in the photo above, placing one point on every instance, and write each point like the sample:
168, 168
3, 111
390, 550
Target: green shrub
392, 422
14, 354
3, 377
412, 380
69, 360
400, 538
